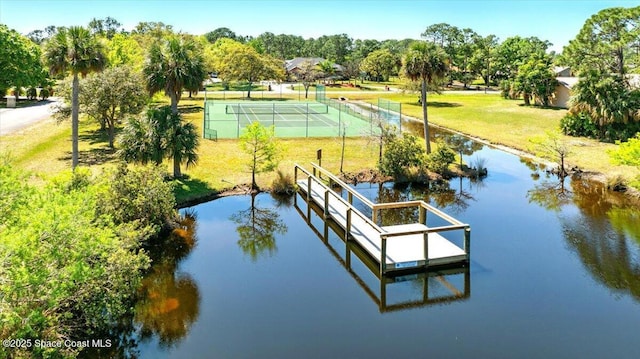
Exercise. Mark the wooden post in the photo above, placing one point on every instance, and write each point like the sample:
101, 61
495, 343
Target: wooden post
350, 197
374, 214
467, 242
383, 294
383, 256
423, 215
426, 249
325, 235
347, 230
308, 188
326, 203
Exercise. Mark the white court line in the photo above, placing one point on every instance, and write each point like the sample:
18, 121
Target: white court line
322, 119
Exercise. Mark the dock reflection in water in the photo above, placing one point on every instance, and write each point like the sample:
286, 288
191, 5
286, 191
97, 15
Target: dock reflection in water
389, 293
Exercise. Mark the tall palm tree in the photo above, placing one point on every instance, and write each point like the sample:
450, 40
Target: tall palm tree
174, 64
425, 61
74, 50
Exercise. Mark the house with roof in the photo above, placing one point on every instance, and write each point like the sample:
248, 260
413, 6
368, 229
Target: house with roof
563, 71
562, 92
292, 66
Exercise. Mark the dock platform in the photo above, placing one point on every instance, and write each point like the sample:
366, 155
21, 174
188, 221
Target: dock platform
397, 247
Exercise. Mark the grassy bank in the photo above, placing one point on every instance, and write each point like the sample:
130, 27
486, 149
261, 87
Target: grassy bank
45, 149
508, 123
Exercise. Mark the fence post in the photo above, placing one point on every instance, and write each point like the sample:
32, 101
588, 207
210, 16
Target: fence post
238, 119
308, 189
423, 215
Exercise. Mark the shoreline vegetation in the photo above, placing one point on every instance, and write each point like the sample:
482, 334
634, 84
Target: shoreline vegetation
221, 171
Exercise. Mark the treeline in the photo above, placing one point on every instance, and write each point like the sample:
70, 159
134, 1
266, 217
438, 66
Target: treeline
603, 55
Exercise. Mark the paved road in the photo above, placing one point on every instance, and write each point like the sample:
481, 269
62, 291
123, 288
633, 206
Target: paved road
14, 119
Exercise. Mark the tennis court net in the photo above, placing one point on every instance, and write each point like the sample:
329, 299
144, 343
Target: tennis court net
278, 109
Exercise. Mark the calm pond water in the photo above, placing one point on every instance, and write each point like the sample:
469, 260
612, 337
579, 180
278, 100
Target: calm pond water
555, 273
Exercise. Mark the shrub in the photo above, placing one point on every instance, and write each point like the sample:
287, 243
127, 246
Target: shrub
44, 94
283, 184
628, 153
616, 182
439, 160
505, 88
32, 93
139, 194
579, 124
63, 274
401, 154
480, 165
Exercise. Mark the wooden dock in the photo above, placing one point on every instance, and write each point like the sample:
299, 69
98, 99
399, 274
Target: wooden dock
398, 247
451, 284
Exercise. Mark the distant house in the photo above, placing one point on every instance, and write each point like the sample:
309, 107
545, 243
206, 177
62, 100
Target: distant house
293, 65
634, 80
562, 92
563, 71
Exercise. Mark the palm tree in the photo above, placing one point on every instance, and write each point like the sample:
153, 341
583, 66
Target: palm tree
606, 99
182, 141
425, 61
158, 135
75, 50
174, 64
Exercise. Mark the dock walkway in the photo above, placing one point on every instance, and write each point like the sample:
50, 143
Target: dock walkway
401, 246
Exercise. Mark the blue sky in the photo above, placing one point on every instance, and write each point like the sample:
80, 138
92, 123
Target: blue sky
555, 20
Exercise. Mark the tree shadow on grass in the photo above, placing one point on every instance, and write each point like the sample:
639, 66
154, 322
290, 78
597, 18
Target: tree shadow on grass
191, 191
437, 104
93, 137
190, 109
92, 157
542, 107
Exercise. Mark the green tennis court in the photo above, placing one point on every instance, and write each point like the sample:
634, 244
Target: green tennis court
226, 119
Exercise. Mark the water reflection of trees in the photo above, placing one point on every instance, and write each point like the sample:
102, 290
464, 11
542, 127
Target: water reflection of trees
170, 301
257, 228
551, 195
438, 193
604, 234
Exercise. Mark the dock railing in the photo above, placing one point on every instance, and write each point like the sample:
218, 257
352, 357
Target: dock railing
376, 208
328, 193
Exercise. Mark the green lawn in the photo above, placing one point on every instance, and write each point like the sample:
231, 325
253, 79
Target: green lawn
45, 149
505, 122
